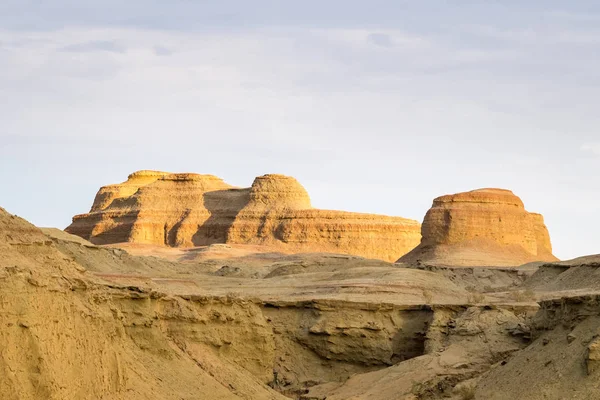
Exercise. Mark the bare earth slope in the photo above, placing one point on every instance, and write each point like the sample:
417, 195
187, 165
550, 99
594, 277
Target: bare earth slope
561, 361
485, 227
65, 337
82, 321
187, 210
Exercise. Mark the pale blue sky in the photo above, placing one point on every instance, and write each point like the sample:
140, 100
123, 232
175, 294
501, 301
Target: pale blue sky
375, 106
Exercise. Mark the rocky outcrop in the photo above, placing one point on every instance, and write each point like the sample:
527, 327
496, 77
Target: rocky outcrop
485, 227
64, 336
107, 194
563, 359
460, 344
186, 210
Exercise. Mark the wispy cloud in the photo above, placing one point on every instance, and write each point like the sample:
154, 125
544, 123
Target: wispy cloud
365, 38
380, 39
591, 148
571, 16
537, 35
162, 50
110, 46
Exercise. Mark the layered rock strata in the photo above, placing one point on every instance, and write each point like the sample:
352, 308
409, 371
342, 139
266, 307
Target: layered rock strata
485, 227
186, 210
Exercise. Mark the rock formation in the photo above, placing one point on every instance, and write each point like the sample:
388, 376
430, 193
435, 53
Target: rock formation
61, 339
186, 210
485, 227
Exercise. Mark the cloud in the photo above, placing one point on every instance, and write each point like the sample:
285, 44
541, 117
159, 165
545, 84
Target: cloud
380, 39
93, 46
162, 51
363, 39
535, 35
593, 148
571, 16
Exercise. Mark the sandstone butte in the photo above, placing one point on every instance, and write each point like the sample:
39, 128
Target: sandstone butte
484, 227
188, 210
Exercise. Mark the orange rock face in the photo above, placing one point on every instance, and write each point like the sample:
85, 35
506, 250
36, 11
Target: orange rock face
186, 210
485, 227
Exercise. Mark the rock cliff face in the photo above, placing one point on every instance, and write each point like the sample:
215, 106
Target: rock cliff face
186, 210
485, 227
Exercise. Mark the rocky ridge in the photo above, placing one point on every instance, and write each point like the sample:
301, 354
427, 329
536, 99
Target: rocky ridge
186, 210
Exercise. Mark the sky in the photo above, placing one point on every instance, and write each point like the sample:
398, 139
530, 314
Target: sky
374, 106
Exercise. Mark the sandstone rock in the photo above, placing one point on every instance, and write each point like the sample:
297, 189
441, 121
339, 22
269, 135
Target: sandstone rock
485, 227
274, 191
556, 370
107, 194
186, 210
593, 356
452, 354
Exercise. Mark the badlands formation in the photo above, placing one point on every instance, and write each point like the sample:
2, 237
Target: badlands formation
485, 227
211, 316
190, 210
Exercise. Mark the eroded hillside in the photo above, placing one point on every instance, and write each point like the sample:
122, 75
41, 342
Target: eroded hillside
65, 336
89, 322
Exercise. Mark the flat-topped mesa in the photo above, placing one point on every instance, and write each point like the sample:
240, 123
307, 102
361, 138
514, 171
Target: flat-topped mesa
288, 221
484, 227
107, 194
185, 210
151, 207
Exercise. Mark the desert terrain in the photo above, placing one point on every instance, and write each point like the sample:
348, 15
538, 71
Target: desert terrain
179, 286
